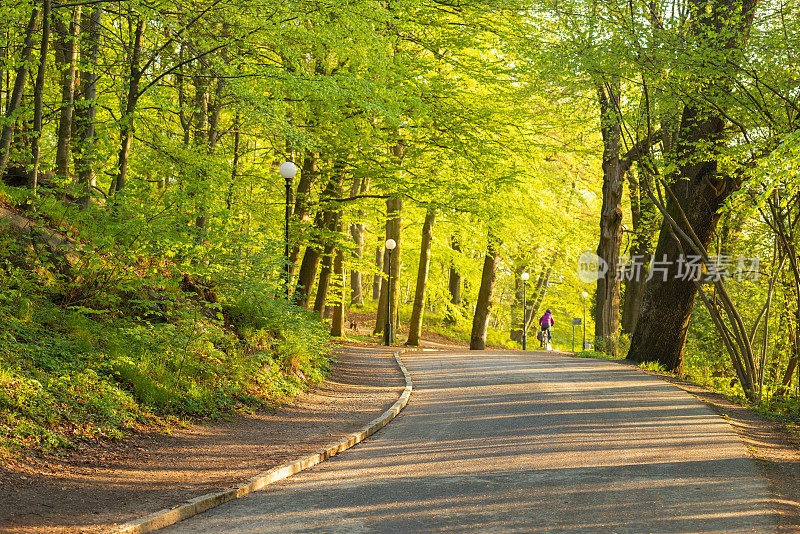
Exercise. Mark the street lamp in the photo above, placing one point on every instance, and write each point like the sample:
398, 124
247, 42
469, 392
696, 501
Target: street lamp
524, 276
387, 331
584, 295
288, 170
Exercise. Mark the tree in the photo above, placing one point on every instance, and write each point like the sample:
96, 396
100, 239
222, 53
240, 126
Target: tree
14, 100
483, 306
415, 325
698, 188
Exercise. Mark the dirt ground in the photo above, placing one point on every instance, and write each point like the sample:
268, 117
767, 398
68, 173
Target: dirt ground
102, 484
99, 485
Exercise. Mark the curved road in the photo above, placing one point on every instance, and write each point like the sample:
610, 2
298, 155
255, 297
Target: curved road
523, 442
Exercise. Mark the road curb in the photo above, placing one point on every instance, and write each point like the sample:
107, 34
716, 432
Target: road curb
192, 507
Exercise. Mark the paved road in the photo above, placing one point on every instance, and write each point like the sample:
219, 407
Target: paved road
505, 442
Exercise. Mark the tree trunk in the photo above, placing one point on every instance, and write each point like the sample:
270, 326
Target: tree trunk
377, 279
660, 333
356, 278
324, 279
38, 95
668, 299
643, 217
337, 321
127, 129
415, 326
3, 86
86, 106
308, 269
360, 186
607, 293
237, 138
520, 303
13, 102
202, 85
67, 56
326, 220
483, 306
300, 216
394, 207
454, 278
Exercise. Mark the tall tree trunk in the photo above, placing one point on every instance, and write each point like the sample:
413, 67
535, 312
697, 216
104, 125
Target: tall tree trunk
38, 95
454, 279
86, 106
698, 189
326, 220
66, 56
308, 268
337, 321
483, 306
668, 299
131, 101
300, 216
520, 303
360, 186
15, 99
323, 285
237, 137
377, 279
415, 325
607, 293
542, 285
202, 85
394, 207
333, 216
643, 220
356, 277
3, 61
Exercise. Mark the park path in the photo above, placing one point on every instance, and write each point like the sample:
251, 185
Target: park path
512, 442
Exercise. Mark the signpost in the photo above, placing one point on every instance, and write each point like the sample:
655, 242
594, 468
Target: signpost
576, 321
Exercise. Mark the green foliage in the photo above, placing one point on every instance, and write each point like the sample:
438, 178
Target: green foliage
656, 367
94, 349
598, 355
454, 317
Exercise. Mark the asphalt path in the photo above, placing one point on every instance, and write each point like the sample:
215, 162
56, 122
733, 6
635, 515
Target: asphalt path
523, 442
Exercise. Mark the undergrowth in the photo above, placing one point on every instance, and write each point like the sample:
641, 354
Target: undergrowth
123, 339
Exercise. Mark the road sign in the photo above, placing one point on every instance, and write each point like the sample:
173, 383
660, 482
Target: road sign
576, 321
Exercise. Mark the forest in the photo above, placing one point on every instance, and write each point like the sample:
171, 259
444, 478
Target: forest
196, 197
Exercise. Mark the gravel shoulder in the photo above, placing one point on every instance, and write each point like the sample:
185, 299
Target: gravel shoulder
99, 485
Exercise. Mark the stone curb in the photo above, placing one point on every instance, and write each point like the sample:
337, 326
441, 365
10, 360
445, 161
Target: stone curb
192, 507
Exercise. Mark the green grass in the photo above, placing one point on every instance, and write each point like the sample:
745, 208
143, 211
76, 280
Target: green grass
597, 355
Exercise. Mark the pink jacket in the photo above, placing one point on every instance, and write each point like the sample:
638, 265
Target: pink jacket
546, 320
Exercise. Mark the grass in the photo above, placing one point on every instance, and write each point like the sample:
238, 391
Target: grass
597, 355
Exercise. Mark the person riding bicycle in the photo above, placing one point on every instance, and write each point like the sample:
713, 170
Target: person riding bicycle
546, 323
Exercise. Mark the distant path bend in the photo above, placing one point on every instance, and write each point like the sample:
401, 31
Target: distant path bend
511, 442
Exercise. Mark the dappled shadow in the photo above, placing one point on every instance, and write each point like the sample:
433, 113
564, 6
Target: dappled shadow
117, 482
536, 443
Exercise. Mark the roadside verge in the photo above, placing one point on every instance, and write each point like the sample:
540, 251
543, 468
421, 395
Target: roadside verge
166, 517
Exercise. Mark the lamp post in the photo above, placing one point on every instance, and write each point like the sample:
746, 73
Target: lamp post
288, 170
584, 295
524, 276
387, 330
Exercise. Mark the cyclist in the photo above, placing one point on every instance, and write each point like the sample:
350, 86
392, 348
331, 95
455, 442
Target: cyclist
546, 323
